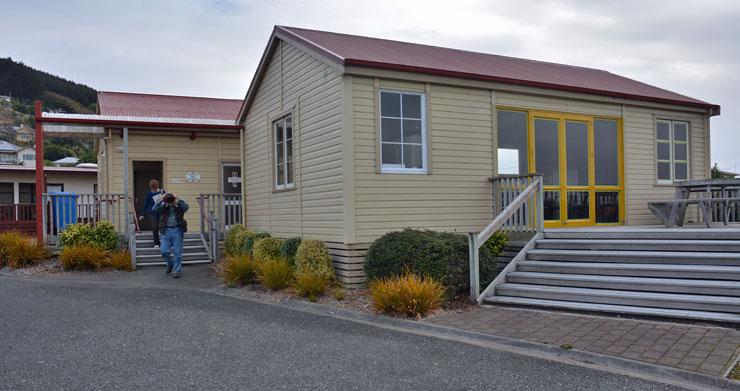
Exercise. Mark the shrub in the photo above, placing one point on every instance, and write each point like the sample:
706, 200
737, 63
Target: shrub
407, 294
83, 257
310, 284
18, 250
267, 248
440, 255
275, 273
239, 270
290, 248
313, 256
119, 260
338, 293
250, 237
102, 235
234, 239
496, 243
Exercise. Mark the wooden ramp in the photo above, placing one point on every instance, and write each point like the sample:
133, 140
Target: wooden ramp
689, 273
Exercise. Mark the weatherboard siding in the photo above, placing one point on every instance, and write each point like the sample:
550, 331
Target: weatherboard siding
299, 83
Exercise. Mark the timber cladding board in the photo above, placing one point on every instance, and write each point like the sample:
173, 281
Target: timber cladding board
179, 155
297, 83
349, 263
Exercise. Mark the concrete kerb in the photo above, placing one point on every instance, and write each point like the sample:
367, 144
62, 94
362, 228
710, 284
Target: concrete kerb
646, 371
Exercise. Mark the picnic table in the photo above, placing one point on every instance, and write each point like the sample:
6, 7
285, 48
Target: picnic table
672, 212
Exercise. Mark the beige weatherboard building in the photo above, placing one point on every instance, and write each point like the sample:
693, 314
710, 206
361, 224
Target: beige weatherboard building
346, 138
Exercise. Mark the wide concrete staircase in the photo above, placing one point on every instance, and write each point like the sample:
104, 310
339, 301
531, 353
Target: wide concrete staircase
194, 251
681, 273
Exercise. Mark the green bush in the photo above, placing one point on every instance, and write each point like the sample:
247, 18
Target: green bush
290, 248
102, 235
310, 284
440, 255
250, 237
312, 255
276, 274
234, 239
496, 243
239, 270
267, 248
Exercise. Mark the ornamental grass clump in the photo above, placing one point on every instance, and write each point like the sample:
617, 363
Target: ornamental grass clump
310, 284
275, 274
407, 294
118, 260
267, 248
313, 256
239, 270
18, 250
83, 257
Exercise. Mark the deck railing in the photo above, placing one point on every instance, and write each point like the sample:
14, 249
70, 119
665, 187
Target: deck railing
18, 217
718, 210
61, 210
521, 210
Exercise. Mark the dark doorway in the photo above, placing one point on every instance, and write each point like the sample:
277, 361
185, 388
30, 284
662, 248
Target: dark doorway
143, 173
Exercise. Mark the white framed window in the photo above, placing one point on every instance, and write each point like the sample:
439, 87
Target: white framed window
672, 151
403, 132
282, 136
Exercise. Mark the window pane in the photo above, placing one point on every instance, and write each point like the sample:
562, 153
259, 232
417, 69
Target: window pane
390, 104
508, 161
680, 131
280, 175
664, 131
391, 154
412, 156
576, 143
606, 157
664, 151
6, 193
231, 179
607, 207
664, 171
290, 172
551, 205
27, 193
279, 154
289, 127
279, 131
546, 150
577, 205
679, 152
411, 131
289, 148
681, 171
411, 106
390, 130
512, 135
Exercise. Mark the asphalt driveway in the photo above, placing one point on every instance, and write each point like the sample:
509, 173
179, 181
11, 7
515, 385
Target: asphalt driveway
86, 333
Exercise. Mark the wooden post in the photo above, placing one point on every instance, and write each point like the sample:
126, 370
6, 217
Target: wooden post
473, 246
40, 186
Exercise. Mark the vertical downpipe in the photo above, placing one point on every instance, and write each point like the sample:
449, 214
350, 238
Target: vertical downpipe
474, 270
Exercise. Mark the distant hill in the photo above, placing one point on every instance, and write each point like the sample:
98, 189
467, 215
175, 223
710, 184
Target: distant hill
27, 84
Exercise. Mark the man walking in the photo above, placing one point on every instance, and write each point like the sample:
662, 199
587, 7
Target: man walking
172, 226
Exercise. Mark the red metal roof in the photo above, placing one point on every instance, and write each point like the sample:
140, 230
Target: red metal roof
167, 106
403, 56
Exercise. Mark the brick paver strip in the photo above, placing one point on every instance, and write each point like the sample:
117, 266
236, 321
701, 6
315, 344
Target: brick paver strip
697, 347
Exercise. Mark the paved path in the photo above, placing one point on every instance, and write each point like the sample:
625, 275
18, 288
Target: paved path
89, 333
701, 348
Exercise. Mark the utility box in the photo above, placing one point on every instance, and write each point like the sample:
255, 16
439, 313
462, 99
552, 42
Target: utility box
64, 209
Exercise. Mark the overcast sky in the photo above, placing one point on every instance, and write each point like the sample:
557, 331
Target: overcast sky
212, 47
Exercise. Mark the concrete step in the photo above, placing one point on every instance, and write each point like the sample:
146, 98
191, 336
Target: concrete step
640, 245
619, 297
150, 243
718, 233
158, 257
161, 263
641, 284
156, 251
612, 308
148, 235
703, 272
660, 257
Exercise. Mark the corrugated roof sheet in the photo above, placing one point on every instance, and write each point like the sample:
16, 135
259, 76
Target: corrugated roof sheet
382, 53
8, 147
149, 106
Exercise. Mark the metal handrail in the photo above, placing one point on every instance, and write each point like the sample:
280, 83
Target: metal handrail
532, 193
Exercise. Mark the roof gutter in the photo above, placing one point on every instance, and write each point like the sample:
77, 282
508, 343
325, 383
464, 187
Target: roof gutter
117, 123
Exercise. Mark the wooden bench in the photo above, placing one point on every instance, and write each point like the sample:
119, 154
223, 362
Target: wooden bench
671, 212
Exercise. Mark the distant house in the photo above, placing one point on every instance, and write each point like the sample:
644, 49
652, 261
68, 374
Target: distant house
27, 156
8, 153
66, 161
24, 134
17, 184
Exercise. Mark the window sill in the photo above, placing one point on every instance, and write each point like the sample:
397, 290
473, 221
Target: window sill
401, 171
284, 190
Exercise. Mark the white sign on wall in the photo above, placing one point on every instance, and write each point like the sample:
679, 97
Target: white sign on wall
176, 180
192, 176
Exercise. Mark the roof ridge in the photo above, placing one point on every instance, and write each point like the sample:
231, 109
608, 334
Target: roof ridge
166, 95
438, 47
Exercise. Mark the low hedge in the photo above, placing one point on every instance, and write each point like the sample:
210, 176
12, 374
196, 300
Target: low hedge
440, 255
267, 248
240, 241
290, 248
313, 256
102, 235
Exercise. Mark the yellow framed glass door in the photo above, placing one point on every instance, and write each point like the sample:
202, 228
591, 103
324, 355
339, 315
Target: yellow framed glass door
580, 160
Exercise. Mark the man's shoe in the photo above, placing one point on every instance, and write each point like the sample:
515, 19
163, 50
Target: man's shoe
175, 275
169, 269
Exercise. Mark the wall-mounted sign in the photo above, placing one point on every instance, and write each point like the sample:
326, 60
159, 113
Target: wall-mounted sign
176, 180
192, 176
235, 179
